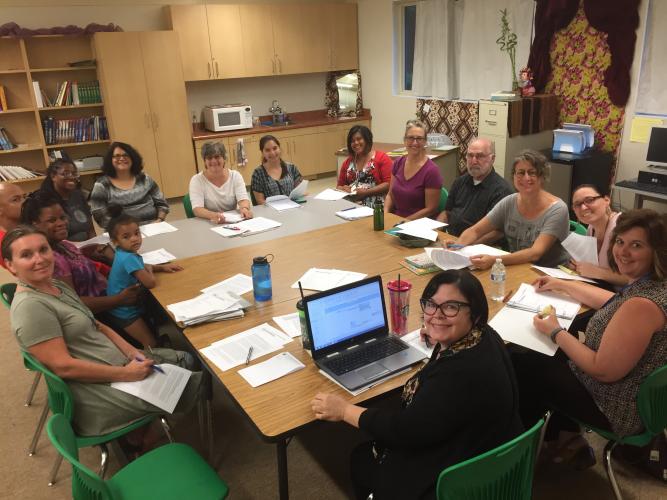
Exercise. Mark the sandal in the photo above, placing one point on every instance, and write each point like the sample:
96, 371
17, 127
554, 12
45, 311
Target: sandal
576, 453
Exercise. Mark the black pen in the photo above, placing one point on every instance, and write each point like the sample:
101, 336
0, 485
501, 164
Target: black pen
346, 209
247, 359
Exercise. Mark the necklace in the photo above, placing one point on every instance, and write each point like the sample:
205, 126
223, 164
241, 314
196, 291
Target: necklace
64, 298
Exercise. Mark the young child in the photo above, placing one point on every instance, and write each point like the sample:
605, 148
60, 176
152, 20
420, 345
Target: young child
128, 269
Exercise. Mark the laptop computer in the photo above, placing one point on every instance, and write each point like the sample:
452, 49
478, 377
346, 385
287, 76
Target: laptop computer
349, 334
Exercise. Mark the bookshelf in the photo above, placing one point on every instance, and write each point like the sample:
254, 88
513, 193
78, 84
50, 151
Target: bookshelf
44, 59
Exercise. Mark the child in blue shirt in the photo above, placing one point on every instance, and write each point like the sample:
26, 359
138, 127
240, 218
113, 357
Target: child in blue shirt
129, 269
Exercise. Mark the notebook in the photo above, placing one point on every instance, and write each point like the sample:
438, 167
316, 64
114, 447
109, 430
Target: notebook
349, 334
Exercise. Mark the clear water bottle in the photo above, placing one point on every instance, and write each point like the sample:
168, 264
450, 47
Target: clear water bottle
261, 278
498, 276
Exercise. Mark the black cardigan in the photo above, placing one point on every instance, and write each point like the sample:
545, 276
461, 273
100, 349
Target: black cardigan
466, 404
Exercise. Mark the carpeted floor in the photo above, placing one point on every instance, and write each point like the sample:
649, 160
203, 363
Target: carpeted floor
317, 458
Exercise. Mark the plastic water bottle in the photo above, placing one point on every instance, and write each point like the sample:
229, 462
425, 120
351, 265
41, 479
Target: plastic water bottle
261, 278
498, 280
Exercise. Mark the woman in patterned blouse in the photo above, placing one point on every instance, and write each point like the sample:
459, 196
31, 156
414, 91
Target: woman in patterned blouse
274, 176
597, 381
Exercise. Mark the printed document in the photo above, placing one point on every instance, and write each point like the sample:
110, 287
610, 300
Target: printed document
422, 228
280, 203
582, 248
289, 323
299, 192
238, 284
206, 307
331, 195
246, 227
460, 258
160, 389
233, 351
326, 279
159, 256
148, 230
355, 213
101, 239
272, 369
528, 299
558, 273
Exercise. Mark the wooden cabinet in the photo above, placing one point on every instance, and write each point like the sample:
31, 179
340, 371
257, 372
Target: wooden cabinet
248, 40
147, 105
44, 60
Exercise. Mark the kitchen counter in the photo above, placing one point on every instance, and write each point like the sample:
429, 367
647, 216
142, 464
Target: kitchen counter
297, 120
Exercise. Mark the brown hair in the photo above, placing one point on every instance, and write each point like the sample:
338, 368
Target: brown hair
17, 233
655, 225
537, 160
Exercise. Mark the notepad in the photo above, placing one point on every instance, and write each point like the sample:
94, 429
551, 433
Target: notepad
159, 389
247, 227
272, 369
159, 256
355, 213
281, 203
331, 195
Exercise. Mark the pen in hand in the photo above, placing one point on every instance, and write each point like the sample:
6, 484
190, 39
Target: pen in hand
247, 359
154, 367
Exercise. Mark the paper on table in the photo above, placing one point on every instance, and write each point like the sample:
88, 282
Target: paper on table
239, 284
331, 195
325, 279
205, 305
422, 228
557, 273
280, 202
233, 351
582, 248
355, 213
156, 228
247, 227
232, 216
159, 256
447, 259
528, 298
159, 389
415, 341
272, 369
101, 239
481, 249
516, 326
289, 323
300, 190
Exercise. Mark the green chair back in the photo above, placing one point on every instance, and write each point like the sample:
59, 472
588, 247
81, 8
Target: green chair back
577, 228
7, 291
85, 483
504, 472
652, 401
59, 395
187, 206
444, 194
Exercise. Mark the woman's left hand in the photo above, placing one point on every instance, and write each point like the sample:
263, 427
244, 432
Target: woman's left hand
361, 194
329, 407
545, 325
585, 268
246, 213
482, 261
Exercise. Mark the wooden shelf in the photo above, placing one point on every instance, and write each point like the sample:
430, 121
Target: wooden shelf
72, 144
39, 178
11, 71
19, 149
17, 110
63, 68
77, 106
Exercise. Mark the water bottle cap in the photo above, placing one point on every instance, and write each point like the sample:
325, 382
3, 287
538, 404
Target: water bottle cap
263, 260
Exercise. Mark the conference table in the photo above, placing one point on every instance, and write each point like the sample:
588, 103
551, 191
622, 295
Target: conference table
280, 409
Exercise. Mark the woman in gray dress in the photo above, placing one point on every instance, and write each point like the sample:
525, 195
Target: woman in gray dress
54, 326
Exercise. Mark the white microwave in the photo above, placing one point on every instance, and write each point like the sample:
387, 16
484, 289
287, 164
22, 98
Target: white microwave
221, 118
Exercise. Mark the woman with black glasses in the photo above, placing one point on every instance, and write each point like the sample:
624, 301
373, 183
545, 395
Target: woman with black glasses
62, 180
463, 402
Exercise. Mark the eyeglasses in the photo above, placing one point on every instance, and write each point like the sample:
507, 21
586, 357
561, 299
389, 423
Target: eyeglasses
529, 173
479, 156
450, 308
588, 201
413, 138
69, 175
122, 156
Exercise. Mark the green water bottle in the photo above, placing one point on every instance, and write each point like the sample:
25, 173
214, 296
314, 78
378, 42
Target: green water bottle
378, 215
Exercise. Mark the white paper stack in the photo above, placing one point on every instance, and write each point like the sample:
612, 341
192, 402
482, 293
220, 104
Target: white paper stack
514, 322
558, 273
232, 216
331, 195
289, 323
272, 369
101, 239
326, 279
237, 284
160, 389
460, 258
582, 248
280, 203
148, 230
206, 307
355, 213
159, 256
233, 351
421, 228
247, 227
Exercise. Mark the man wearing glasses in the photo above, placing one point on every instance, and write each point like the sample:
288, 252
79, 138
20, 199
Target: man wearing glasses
476, 192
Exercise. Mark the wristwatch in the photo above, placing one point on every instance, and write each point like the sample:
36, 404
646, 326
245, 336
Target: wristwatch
555, 332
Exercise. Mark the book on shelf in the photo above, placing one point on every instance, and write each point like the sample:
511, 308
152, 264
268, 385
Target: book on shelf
38, 94
3, 99
10, 173
5, 142
74, 93
89, 128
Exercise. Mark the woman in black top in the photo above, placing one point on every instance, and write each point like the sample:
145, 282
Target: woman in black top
462, 403
62, 179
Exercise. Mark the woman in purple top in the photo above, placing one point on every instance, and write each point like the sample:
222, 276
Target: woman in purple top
415, 180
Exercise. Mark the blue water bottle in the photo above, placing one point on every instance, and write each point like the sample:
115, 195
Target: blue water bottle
261, 278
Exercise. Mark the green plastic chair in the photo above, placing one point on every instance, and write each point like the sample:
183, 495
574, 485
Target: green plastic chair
173, 471
504, 472
187, 206
577, 228
444, 194
61, 403
652, 407
7, 291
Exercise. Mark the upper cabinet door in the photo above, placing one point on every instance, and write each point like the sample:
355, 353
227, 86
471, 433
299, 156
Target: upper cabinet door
343, 35
257, 29
169, 113
300, 38
121, 73
189, 21
226, 35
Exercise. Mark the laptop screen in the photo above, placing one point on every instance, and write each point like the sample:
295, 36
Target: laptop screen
346, 314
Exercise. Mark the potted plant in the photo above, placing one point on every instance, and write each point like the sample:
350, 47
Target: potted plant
507, 41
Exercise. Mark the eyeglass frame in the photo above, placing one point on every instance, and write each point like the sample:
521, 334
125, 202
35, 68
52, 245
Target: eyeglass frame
412, 138
121, 156
477, 156
588, 200
68, 175
533, 174
457, 303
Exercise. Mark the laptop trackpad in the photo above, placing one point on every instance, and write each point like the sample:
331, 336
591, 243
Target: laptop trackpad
372, 371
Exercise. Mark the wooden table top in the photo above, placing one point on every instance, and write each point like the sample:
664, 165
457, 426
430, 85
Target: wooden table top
281, 407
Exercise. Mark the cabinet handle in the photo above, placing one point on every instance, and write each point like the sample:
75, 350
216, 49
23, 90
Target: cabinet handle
273, 65
491, 122
217, 73
294, 143
280, 65
156, 124
147, 120
208, 64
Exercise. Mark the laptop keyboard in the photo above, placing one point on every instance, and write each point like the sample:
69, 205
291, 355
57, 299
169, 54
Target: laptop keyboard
651, 188
362, 356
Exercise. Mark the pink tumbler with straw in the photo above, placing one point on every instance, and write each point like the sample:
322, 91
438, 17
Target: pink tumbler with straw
399, 305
